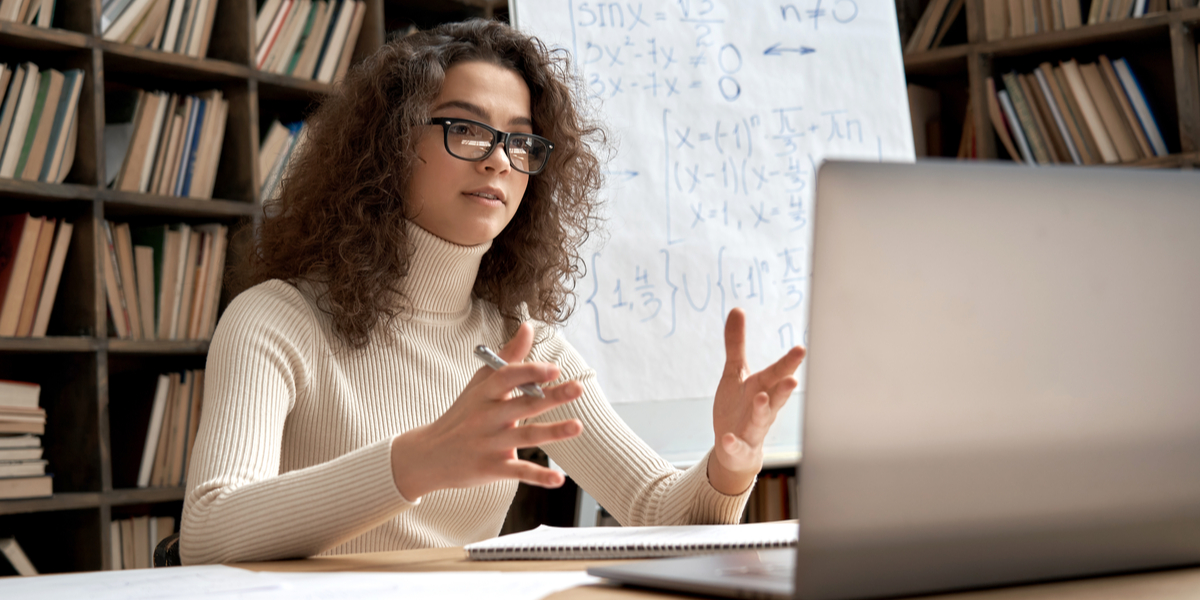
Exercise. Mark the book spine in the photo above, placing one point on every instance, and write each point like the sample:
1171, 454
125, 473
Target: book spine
1015, 126
1025, 116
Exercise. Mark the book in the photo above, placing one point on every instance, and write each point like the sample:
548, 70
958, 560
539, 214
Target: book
1137, 98
112, 283
143, 263
1010, 114
211, 140
180, 273
306, 36
29, 166
128, 556
168, 269
25, 468
212, 288
15, 454
208, 10
587, 543
1088, 150
16, 557
337, 39
1110, 116
171, 27
20, 121
12, 93
277, 136
1069, 114
38, 486
1113, 85
19, 394
360, 13
158, 471
130, 177
33, 289
272, 35
161, 153
1091, 116
64, 119
262, 22
337, 7
1042, 120
127, 276
36, 427
114, 544
1056, 115
157, 410
20, 441
316, 38
18, 244
58, 258
1025, 116
997, 118
289, 34
120, 29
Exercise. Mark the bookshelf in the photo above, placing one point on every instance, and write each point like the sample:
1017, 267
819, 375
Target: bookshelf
1161, 48
97, 390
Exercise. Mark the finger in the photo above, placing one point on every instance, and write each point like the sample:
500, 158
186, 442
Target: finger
526, 407
735, 342
534, 474
782, 391
503, 381
517, 348
784, 367
536, 434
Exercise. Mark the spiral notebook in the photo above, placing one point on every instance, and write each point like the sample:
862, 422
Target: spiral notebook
549, 543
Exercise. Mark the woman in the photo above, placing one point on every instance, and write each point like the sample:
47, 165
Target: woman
439, 203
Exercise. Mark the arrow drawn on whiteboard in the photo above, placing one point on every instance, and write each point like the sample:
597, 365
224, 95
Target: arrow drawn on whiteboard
621, 176
777, 51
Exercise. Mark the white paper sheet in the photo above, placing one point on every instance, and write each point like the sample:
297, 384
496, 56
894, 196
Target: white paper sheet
215, 581
722, 112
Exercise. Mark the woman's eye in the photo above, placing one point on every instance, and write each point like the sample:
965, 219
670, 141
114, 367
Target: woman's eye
460, 129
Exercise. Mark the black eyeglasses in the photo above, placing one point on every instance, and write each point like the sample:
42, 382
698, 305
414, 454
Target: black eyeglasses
474, 141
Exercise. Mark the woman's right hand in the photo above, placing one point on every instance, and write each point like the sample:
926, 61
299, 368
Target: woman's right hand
475, 442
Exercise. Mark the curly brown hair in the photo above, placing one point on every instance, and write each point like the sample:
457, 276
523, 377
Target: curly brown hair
340, 217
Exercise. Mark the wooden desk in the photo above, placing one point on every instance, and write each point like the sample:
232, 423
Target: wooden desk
1164, 585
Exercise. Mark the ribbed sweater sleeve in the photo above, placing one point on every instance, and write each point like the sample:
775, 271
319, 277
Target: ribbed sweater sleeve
238, 504
614, 465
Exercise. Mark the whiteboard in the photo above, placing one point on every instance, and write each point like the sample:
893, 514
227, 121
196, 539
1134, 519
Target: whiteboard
720, 112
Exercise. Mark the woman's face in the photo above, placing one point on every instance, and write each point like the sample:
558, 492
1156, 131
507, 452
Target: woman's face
469, 203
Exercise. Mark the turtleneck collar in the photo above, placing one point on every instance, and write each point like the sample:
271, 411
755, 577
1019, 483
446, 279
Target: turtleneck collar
442, 273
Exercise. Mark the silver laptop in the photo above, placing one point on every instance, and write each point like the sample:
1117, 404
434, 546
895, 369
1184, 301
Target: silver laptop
1003, 385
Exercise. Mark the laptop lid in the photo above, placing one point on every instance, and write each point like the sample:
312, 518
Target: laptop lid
1004, 377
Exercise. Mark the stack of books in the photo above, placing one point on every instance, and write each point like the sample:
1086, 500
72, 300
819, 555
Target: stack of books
163, 282
180, 26
174, 417
773, 499
1015, 18
309, 39
32, 253
277, 148
162, 143
22, 469
134, 539
38, 121
1085, 114
30, 12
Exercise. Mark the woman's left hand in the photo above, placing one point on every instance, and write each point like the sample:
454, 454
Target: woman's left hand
745, 407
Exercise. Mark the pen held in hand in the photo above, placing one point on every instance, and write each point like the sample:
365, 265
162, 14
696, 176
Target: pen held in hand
492, 360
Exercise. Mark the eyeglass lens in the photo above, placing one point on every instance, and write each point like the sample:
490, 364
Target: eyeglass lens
472, 142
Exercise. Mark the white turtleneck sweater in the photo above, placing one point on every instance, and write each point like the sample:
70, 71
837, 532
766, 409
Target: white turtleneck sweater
293, 455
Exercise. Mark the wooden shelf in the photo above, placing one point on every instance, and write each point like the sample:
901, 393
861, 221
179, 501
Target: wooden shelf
1124, 30
134, 203
126, 497
20, 35
126, 58
939, 61
49, 344
166, 347
68, 501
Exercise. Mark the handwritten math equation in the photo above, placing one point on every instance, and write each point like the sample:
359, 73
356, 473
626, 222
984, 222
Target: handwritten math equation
631, 49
